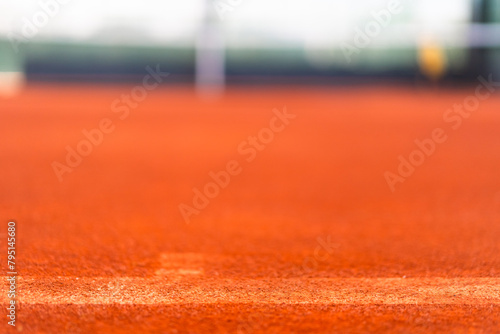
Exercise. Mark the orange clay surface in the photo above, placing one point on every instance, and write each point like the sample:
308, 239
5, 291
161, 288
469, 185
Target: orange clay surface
308, 237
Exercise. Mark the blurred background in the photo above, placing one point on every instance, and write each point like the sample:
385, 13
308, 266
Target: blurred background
248, 41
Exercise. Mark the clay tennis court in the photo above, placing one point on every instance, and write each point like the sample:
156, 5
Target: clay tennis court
308, 237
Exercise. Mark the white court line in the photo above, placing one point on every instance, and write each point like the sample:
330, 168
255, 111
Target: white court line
200, 289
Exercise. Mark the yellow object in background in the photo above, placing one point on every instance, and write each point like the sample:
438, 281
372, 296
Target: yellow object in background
432, 60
